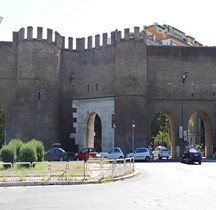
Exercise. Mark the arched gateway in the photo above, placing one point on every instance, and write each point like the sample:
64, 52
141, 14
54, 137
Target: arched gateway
88, 113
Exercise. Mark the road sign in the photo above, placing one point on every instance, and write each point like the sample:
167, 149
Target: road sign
181, 132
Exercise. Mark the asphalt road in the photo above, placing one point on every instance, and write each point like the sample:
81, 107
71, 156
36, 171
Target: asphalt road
163, 185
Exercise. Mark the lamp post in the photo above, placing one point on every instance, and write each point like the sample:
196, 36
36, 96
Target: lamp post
181, 128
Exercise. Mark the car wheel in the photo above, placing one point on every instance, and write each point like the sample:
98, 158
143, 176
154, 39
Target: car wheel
147, 158
167, 158
61, 158
199, 163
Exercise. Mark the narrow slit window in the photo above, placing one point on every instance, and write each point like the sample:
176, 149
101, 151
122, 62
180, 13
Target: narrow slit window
38, 95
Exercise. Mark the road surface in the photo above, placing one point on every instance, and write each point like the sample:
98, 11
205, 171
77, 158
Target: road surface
162, 186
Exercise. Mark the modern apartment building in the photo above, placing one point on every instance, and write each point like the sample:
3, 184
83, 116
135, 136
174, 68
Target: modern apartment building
168, 35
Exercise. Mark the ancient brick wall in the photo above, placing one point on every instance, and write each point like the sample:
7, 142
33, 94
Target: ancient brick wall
40, 78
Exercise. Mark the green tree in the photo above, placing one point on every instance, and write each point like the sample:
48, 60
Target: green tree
39, 148
8, 154
16, 144
28, 153
160, 123
162, 139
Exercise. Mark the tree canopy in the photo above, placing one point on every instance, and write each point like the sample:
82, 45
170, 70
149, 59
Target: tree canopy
160, 129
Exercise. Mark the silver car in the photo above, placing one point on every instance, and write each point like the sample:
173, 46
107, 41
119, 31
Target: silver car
141, 153
161, 152
113, 153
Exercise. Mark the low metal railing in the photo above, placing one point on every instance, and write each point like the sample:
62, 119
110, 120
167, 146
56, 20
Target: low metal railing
73, 171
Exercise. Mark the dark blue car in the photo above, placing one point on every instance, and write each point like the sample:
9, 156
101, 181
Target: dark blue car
191, 155
56, 154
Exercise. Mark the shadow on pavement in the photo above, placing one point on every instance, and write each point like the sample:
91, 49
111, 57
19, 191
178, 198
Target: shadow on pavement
171, 160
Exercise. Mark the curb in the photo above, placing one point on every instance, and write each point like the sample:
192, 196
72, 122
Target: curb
46, 183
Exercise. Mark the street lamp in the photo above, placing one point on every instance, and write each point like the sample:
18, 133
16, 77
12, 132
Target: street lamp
181, 128
184, 76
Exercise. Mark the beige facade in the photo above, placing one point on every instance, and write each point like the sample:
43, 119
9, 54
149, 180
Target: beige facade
168, 35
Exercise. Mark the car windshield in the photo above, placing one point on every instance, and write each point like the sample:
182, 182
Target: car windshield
165, 150
194, 150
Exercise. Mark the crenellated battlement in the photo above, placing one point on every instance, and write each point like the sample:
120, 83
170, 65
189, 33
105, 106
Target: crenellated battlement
20, 36
80, 43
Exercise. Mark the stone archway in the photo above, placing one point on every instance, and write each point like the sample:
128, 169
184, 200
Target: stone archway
87, 111
172, 128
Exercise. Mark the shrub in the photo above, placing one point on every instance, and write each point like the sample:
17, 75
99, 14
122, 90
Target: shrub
39, 147
28, 153
8, 154
16, 144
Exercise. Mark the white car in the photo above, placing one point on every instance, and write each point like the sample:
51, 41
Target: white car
160, 152
141, 153
113, 153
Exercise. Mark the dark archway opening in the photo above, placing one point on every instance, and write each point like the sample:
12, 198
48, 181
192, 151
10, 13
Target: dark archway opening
97, 132
160, 129
2, 128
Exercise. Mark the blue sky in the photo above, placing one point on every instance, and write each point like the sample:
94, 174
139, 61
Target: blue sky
82, 18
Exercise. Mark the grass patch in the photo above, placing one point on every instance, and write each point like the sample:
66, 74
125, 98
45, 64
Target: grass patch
104, 181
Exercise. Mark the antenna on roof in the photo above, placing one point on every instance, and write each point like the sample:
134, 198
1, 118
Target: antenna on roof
1, 18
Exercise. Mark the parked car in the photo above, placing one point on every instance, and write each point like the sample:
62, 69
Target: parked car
85, 153
191, 155
160, 152
141, 153
113, 153
56, 154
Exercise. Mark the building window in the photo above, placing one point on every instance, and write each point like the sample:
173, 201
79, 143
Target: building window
38, 95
